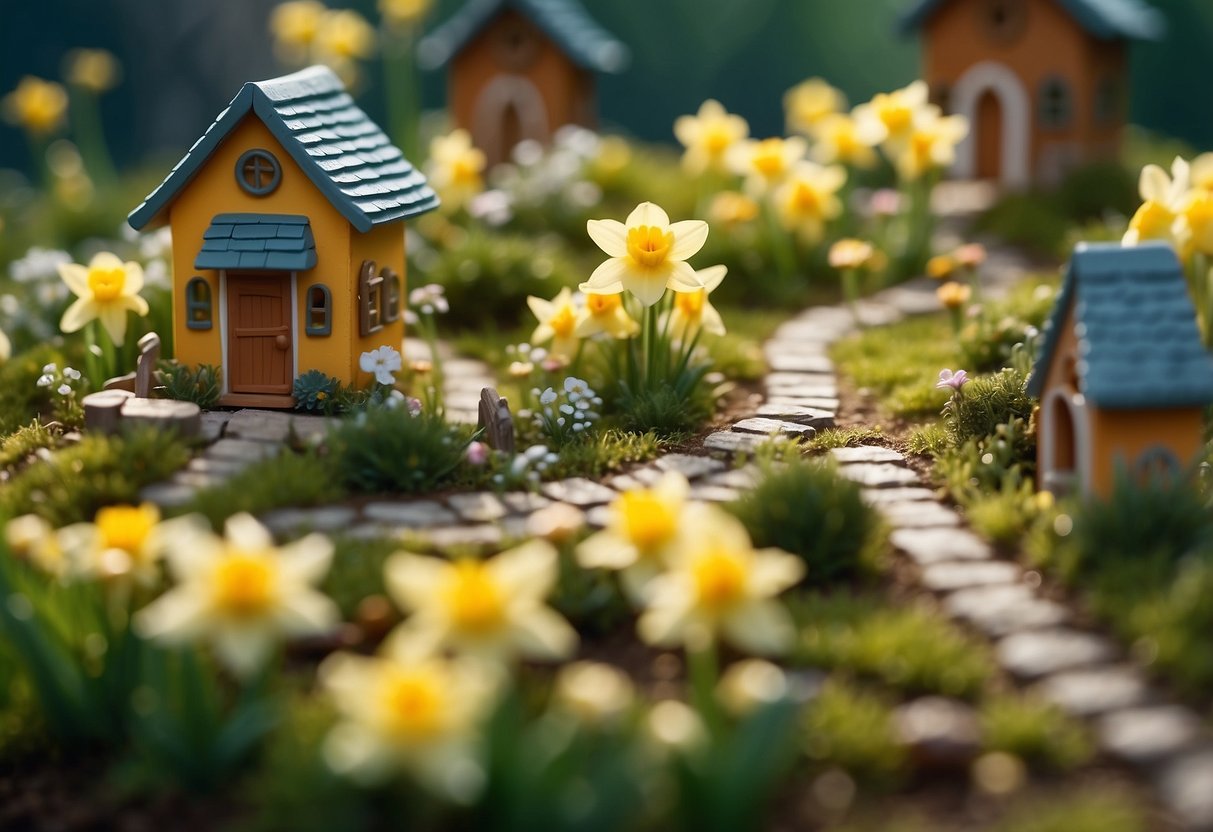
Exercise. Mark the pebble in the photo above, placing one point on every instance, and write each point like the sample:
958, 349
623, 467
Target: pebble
1091, 691
955, 575
578, 491
479, 507
927, 546
768, 427
879, 475
691, 467
417, 514
1144, 735
1034, 654
866, 453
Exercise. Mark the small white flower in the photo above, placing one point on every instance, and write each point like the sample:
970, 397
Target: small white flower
566, 409
383, 363
538, 354
50, 368
64, 389
575, 385
548, 396
560, 421
46, 380
578, 427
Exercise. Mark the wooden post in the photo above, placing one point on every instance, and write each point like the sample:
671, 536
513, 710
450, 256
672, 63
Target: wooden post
495, 420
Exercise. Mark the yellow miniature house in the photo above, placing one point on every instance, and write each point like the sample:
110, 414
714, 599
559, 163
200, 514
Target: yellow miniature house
288, 238
1123, 378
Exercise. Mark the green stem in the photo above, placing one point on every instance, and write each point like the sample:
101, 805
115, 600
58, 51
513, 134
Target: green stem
400, 86
37, 153
703, 671
781, 250
850, 289
90, 136
1200, 293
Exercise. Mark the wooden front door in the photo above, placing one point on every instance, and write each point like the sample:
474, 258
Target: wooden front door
260, 354
989, 137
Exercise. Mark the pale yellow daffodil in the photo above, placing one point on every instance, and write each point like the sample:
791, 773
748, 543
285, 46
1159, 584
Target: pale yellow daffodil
455, 169
1162, 197
30, 536
559, 319
241, 593
105, 291
931, 145
692, 312
96, 70
404, 13
809, 199
489, 609
642, 527
733, 208
345, 35
1194, 225
605, 314
707, 137
841, 139
123, 542
720, 587
767, 163
850, 253
1201, 173
809, 103
893, 115
294, 26
648, 254
593, 692
36, 106
412, 711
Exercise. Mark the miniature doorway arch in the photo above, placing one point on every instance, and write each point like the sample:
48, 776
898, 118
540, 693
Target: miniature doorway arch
1066, 443
509, 109
970, 97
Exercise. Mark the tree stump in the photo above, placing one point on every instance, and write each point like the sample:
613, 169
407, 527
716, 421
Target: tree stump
495, 420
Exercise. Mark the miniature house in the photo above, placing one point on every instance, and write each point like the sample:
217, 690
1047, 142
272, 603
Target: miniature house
288, 238
1043, 83
1122, 377
521, 69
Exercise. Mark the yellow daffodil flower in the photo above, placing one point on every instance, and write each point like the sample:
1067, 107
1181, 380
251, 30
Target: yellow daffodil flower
295, 25
1194, 224
648, 254
850, 253
931, 145
31, 537
1162, 197
241, 593
892, 115
719, 586
1201, 176
954, 295
693, 312
593, 692
404, 13
605, 313
36, 106
490, 609
405, 710
559, 319
750, 684
809, 103
96, 70
842, 140
809, 199
707, 137
105, 290
941, 266
122, 542
766, 163
345, 35
642, 527
455, 169
6, 347
732, 208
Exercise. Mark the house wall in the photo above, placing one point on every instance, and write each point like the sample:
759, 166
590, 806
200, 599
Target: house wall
384, 244
1051, 44
1061, 379
1122, 436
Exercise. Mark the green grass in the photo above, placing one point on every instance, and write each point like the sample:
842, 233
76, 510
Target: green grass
606, 452
289, 479
19, 446
831, 438
1034, 731
357, 571
901, 363
1088, 811
853, 729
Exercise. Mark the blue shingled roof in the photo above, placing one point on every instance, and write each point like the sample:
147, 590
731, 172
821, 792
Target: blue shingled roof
1104, 19
345, 154
281, 242
1138, 342
565, 21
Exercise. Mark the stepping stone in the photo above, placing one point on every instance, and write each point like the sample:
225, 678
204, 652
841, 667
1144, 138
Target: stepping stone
311, 429
1183, 784
713, 494
790, 362
168, 494
797, 348
284, 521
212, 424
938, 732
918, 514
556, 523
1030, 655
783, 398
866, 453
198, 480
731, 442
481, 507
881, 496
222, 467
259, 425
163, 414
481, 538
691, 467
741, 479
926, 546
768, 427
811, 416
578, 491
1096, 690
878, 314
949, 577
882, 475
524, 502
999, 609
599, 517
1144, 735
417, 514
242, 450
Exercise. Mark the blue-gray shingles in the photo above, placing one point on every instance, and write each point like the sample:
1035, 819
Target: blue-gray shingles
257, 241
1103, 19
1138, 342
340, 149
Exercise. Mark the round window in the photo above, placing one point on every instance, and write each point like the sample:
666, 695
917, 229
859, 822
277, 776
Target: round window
258, 172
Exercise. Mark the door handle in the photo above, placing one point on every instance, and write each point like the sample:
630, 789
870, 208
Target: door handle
282, 342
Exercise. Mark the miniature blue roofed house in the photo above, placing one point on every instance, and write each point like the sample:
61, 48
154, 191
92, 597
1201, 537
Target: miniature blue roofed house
1123, 376
521, 69
288, 238
1044, 83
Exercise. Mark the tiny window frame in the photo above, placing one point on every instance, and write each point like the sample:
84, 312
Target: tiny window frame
370, 299
257, 188
199, 304
391, 295
318, 320
1055, 104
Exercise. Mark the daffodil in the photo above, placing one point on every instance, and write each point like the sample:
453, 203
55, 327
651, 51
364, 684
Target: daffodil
404, 13
1162, 197
594, 692
808, 104
6, 347
406, 710
36, 106
31, 537
121, 542
841, 139
953, 295
941, 266
719, 586
767, 163
693, 312
751, 684
605, 313
456, 169
96, 70
809, 199
931, 145
1194, 225
105, 290
707, 137
345, 35
642, 527
491, 609
850, 253
295, 25
892, 115
559, 319
1201, 175
241, 593
648, 254
732, 208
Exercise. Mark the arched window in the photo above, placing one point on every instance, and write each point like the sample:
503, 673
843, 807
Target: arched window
1109, 94
370, 299
1158, 466
391, 295
198, 305
319, 310
1056, 104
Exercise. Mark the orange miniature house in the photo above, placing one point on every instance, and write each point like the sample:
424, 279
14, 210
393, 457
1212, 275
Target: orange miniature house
1044, 83
1123, 377
521, 69
288, 238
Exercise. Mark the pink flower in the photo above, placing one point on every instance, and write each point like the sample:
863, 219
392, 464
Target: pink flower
886, 202
477, 454
953, 380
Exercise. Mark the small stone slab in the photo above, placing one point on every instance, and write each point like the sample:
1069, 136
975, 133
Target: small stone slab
949, 577
1183, 784
1091, 691
713, 494
524, 502
213, 424
163, 414
939, 732
1144, 735
221, 467
742, 479
785, 398
691, 467
199, 481
1031, 655
768, 427
284, 521
311, 429
791, 362
866, 453
481, 507
168, 494
732, 442
579, 492
259, 425
918, 514
926, 546
599, 517
1000, 609
810, 416
242, 449
103, 410
481, 537
882, 496
879, 475
419, 514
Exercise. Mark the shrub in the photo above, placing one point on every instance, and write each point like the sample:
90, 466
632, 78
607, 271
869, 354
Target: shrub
200, 385
987, 402
1036, 731
853, 729
315, 391
810, 511
662, 411
23, 443
21, 399
987, 341
387, 449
